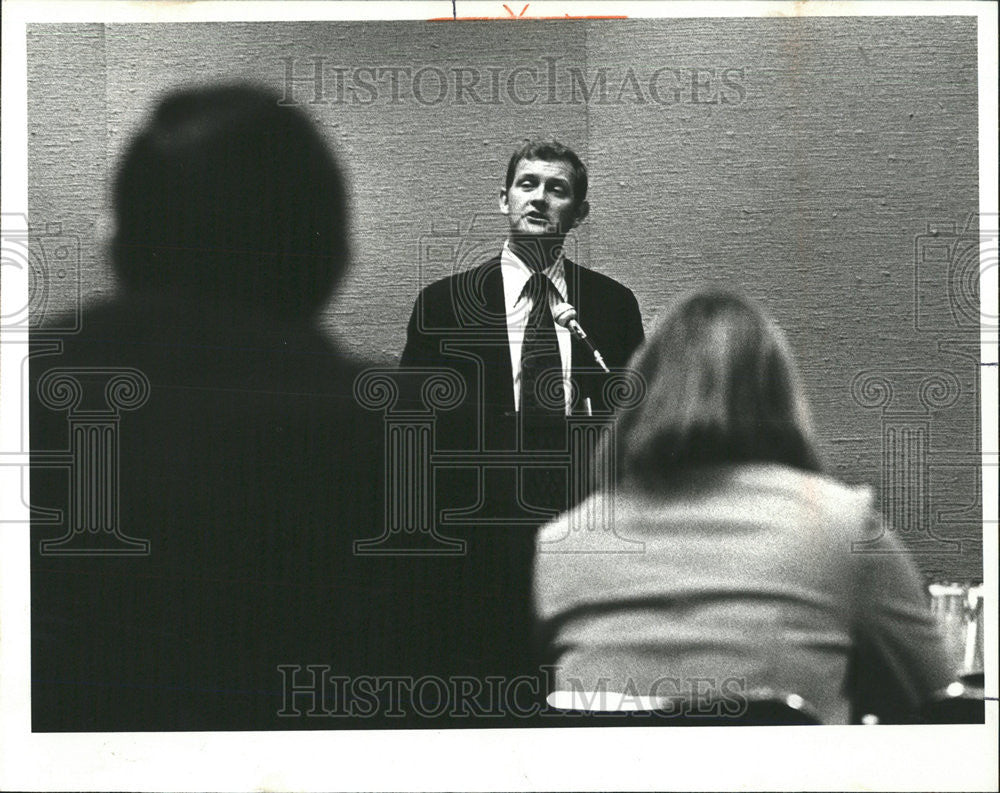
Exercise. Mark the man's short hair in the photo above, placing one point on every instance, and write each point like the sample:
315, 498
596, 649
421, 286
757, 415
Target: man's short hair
227, 195
551, 150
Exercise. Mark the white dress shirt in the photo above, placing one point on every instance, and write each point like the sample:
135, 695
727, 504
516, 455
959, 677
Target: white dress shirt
515, 275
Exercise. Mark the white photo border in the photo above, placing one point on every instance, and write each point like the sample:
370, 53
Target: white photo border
841, 758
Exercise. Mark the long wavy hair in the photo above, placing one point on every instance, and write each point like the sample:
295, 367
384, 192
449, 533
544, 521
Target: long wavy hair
721, 387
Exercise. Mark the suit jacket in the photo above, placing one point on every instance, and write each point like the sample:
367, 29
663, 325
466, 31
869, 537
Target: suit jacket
475, 607
460, 323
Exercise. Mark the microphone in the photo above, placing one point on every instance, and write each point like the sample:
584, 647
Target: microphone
565, 315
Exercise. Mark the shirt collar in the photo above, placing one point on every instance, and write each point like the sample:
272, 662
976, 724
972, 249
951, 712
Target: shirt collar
516, 274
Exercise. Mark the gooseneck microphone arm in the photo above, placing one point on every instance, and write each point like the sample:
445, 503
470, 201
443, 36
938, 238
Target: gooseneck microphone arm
565, 315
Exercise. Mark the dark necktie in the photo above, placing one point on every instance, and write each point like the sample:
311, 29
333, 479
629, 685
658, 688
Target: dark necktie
543, 401
542, 394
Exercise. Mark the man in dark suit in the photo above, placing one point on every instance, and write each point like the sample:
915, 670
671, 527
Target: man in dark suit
523, 374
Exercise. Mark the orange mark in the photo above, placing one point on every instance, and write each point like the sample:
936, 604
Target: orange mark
522, 10
511, 15
512, 18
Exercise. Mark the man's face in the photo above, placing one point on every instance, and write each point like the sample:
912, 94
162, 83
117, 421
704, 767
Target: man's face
540, 200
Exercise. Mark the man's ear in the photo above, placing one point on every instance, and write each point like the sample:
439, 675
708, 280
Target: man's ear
581, 213
504, 205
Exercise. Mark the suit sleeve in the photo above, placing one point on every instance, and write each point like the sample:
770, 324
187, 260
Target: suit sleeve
419, 348
634, 334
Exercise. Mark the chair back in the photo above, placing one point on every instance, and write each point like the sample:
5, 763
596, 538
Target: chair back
957, 704
756, 708
778, 710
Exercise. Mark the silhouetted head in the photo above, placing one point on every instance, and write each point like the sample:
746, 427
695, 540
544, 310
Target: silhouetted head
228, 196
721, 387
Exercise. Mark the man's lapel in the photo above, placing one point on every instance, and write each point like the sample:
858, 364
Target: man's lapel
498, 377
580, 355
572, 273
588, 378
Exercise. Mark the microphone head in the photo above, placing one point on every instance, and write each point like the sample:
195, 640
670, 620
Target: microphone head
563, 313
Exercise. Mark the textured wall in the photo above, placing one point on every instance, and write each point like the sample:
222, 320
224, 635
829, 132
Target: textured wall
803, 167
